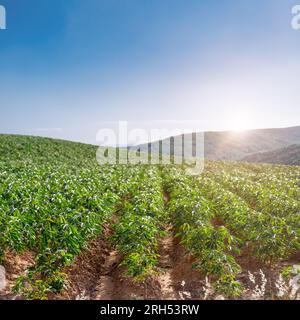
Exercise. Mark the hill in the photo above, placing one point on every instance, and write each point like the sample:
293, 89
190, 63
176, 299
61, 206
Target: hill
237, 145
42, 150
262, 145
289, 155
229, 145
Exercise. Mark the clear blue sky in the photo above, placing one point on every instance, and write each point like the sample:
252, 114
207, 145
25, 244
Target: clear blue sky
66, 66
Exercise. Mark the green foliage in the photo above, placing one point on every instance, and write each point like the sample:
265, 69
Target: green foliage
286, 272
140, 223
232, 207
55, 198
229, 286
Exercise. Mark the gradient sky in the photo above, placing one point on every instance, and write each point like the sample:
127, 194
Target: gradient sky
68, 66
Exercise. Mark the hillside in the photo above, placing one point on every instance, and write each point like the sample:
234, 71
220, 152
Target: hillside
289, 155
265, 145
42, 150
237, 145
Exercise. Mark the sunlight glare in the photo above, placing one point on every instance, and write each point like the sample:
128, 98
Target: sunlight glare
239, 122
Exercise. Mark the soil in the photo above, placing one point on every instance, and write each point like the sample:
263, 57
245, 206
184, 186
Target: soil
15, 265
97, 274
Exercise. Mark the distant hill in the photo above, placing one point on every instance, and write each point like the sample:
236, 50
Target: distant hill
237, 145
228, 145
289, 155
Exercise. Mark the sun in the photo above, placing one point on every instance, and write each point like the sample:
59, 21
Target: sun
239, 122
239, 127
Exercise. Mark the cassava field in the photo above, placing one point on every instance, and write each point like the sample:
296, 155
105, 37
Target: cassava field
71, 229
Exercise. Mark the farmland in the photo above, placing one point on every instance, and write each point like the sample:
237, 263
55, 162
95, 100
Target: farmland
154, 229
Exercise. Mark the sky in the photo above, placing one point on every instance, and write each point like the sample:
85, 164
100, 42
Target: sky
69, 67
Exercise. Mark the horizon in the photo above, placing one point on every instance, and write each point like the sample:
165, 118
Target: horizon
238, 132
67, 67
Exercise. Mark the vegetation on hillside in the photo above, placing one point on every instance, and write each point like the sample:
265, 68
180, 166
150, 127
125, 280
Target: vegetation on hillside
288, 155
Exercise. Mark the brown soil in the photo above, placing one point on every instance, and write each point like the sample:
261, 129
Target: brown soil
166, 197
97, 274
249, 263
178, 280
15, 266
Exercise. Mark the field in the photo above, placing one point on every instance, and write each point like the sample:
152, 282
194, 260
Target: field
70, 228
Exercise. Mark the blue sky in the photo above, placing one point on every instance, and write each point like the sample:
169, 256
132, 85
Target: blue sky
68, 66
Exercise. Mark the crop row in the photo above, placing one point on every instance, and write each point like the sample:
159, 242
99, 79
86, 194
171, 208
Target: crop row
139, 220
211, 245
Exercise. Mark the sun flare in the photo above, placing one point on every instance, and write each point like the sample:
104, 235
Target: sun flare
239, 122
